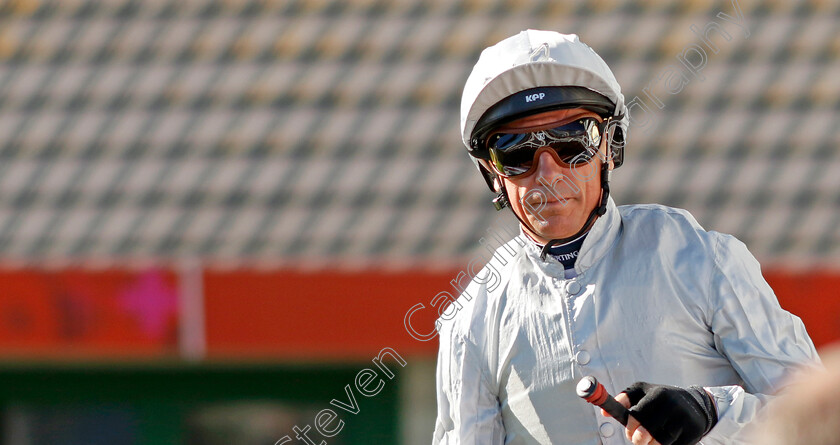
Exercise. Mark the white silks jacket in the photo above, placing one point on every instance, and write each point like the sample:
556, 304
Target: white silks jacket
655, 298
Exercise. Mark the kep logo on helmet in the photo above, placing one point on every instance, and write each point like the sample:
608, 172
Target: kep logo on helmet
534, 97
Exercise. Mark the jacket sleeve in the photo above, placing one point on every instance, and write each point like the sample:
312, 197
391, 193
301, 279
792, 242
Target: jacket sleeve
762, 341
467, 410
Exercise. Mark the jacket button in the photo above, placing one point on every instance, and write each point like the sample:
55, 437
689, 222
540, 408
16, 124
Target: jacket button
607, 429
573, 287
582, 357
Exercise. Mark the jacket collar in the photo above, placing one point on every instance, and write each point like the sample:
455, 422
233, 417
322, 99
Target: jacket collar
601, 237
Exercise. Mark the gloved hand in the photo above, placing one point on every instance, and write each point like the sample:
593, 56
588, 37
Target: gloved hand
672, 415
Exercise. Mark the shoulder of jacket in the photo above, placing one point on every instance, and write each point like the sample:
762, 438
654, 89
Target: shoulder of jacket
658, 212
661, 218
661, 226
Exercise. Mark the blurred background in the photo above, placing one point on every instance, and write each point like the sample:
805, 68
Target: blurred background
214, 214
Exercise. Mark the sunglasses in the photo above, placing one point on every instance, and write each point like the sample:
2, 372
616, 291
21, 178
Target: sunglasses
574, 143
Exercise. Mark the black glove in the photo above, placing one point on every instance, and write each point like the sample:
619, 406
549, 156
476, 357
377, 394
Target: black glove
672, 415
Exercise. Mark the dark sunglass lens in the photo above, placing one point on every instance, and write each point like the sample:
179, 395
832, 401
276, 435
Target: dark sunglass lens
570, 130
505, 141
572, 152
513, 161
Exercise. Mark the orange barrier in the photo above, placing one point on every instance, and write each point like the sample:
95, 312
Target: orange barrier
275, 314
814, 297
324, 315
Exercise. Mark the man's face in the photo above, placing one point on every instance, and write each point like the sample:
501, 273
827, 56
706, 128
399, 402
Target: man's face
554, 199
